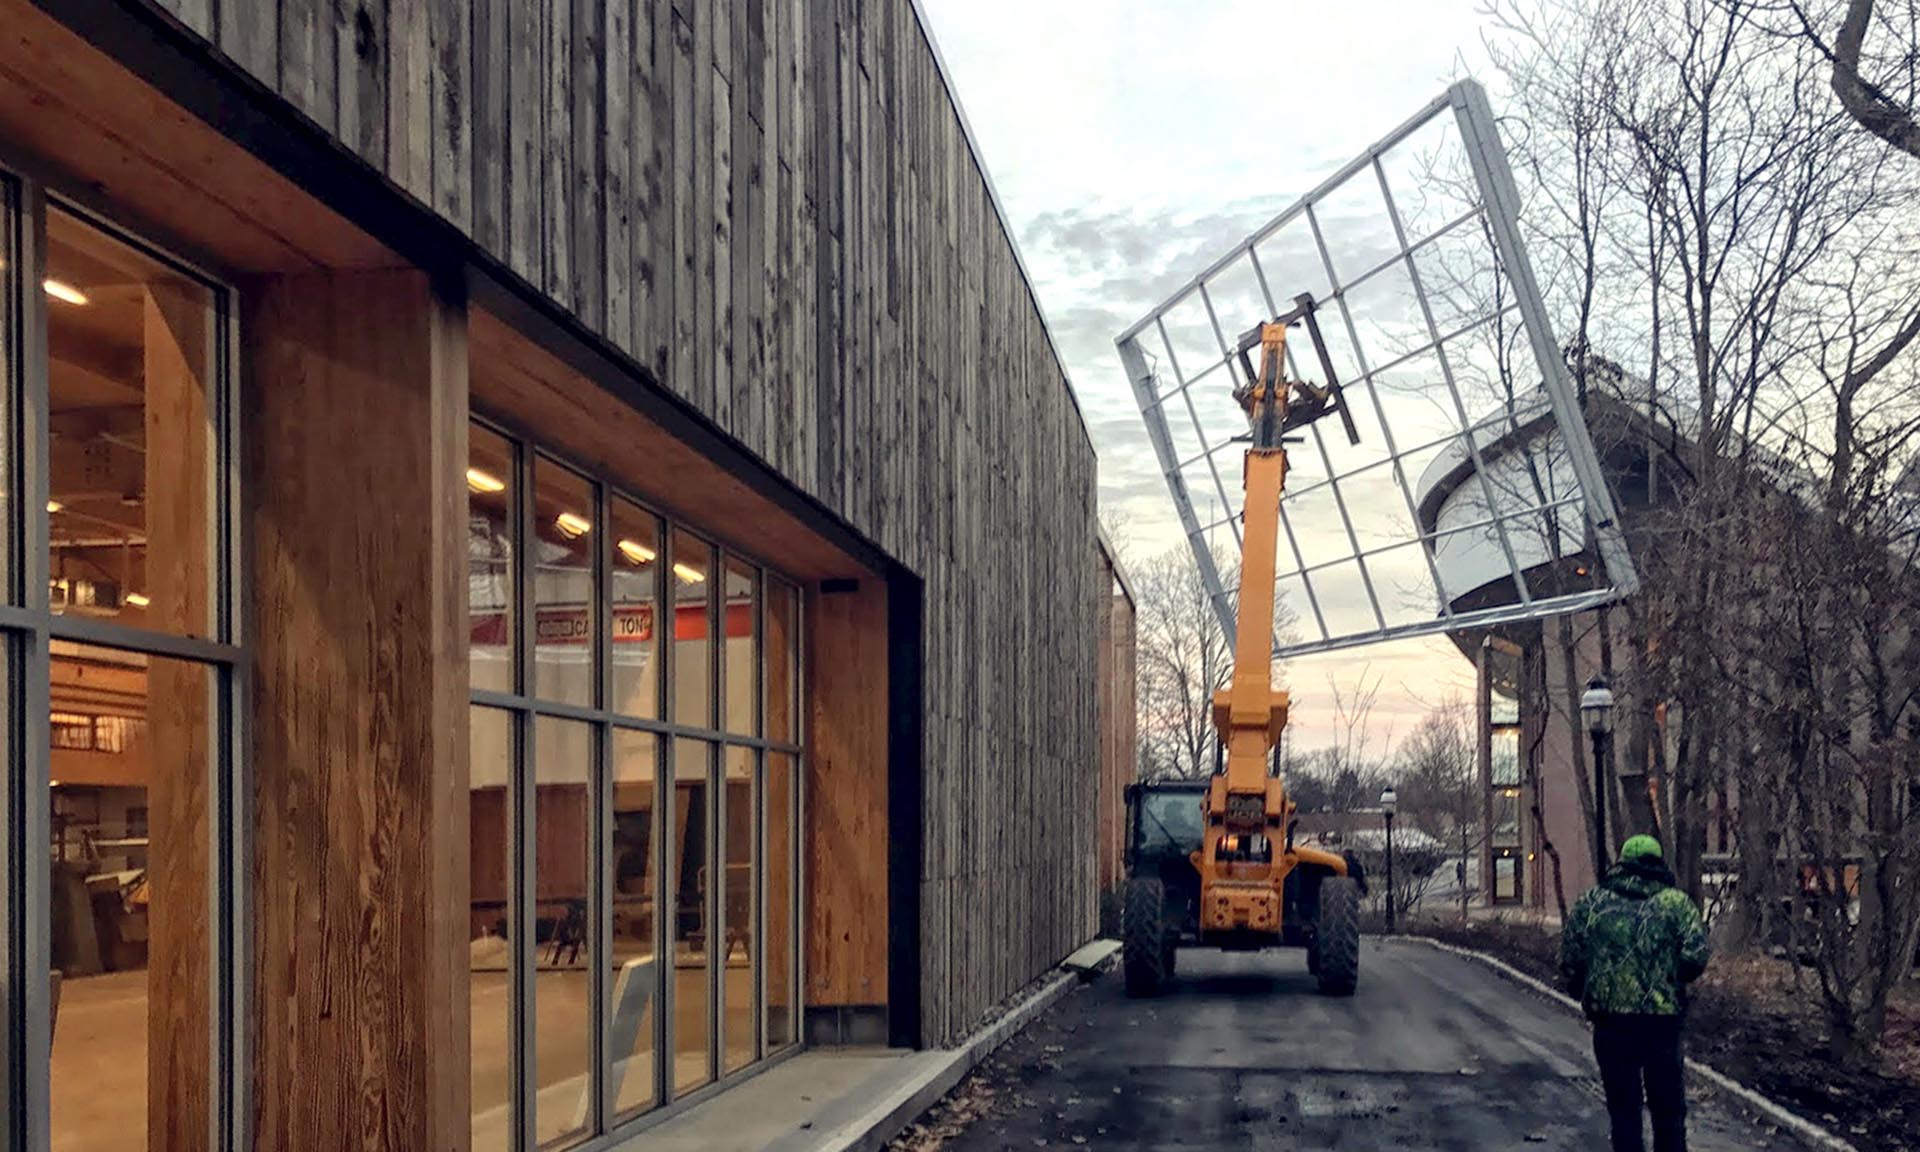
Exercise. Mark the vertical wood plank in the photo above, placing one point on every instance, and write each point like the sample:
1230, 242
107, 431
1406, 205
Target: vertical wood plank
684, 375
717, 388
308, 53
588, 231
622, 147
250, 33
408, 98
558, 193
449, 123
491, 140
526, 131
362, 50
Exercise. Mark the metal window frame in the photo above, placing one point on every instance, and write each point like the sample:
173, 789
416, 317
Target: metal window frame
524, 709
28, 630
1498, 206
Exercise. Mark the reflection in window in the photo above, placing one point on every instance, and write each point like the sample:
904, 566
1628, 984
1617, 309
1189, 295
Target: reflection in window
563, 550
692, 1035
782, 661
741, 991
635, 868
489, 953
782, 808
635, 645
132, 364
742, 648
562, 1013
692, 630
130, 871
491, 634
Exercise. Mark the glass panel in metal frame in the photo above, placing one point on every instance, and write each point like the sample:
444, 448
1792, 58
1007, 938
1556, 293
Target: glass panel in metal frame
562, 1016
1474, 495
782, 808
740, 628
131, 817
492, 638
634, 867
563, 547
739, 967
634, 583
691, 589
491, 893
134, 407
690, 868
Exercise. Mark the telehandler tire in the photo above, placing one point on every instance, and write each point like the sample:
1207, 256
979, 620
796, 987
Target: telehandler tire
1338, 939
1144, 950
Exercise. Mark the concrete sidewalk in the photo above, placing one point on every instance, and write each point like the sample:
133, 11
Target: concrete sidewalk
844, 1099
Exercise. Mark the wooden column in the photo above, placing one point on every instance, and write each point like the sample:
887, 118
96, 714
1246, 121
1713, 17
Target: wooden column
176, 336
846, 814
356, 446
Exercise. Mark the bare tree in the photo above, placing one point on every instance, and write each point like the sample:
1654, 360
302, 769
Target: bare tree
1439, 785
1183, 658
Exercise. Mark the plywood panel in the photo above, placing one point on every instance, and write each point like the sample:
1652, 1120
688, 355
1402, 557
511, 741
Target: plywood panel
359, 712
846, 784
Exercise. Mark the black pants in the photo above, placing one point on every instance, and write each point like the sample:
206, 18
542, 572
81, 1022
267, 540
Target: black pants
1643, 1050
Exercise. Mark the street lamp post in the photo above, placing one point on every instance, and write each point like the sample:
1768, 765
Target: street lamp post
1596, 708
1388, 799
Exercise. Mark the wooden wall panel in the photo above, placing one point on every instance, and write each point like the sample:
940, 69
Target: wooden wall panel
846, 783
773, 206
359, 712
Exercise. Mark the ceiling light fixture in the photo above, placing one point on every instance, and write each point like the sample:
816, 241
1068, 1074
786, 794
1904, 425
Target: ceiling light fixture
481, 481
62, 291
55, 506
689, 574
138, 599
572, 524
637, 552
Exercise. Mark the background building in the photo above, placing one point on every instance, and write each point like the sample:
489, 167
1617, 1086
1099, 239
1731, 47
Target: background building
549, 561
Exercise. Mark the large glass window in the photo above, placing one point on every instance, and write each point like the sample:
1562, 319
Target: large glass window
132, 647
636, 804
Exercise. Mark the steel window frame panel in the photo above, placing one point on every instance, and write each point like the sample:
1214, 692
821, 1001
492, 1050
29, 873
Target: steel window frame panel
30, 630
1478, 131
1497, 204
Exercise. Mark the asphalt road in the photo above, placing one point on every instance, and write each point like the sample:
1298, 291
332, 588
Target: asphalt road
1435, 1053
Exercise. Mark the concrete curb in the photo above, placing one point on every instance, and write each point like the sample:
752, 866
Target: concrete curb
1805, 1129
889, 1115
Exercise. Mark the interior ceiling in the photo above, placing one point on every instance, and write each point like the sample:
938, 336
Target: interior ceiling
96, 423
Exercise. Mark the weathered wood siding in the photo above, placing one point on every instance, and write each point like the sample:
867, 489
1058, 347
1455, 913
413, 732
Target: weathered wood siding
774, 206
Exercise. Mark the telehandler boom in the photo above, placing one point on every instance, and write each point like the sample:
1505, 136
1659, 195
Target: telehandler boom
1255, 888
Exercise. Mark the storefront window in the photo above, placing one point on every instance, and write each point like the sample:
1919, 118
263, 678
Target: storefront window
635, 806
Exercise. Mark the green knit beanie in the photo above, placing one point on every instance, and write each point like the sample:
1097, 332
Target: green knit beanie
1640, 848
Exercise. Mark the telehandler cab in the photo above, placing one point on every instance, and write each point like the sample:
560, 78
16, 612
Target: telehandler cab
1213, 862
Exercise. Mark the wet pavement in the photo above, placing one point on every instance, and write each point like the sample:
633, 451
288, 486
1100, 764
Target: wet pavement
1435, 1053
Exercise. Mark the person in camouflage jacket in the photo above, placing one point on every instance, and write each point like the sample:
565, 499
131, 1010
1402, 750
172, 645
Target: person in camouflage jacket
1630, 948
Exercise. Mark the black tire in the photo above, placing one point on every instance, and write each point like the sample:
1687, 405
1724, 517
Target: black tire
1338, 939
1144, 949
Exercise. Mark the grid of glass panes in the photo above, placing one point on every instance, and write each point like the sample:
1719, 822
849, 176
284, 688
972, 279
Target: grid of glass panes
122, 661
1471, 467
635, 803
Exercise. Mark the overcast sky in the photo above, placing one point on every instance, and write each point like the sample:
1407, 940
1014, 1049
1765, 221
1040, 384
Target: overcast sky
1131, 141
